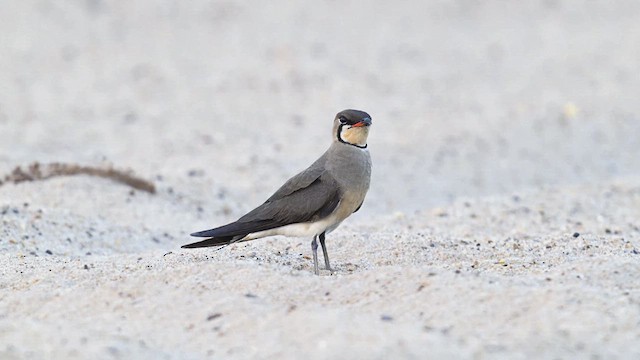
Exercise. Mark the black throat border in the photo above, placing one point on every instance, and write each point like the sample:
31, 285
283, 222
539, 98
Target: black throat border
348, 143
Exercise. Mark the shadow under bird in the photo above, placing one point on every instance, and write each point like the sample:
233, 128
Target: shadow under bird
314, 202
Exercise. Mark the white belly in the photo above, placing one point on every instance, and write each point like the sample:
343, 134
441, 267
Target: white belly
309, 229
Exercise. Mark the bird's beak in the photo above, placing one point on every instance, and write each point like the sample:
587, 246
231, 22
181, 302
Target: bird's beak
365, 122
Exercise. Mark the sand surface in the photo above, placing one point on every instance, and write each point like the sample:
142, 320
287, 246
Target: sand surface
503, 219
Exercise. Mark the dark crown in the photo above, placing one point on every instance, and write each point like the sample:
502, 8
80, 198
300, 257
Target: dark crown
352, 116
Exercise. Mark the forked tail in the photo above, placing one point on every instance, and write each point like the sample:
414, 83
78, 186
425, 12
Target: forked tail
229, 234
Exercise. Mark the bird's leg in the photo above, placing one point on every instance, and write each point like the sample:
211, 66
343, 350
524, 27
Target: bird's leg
314, 248
326, 254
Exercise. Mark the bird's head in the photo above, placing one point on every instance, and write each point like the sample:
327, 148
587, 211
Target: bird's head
351, 127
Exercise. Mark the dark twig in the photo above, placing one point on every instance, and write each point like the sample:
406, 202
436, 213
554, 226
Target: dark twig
37, 171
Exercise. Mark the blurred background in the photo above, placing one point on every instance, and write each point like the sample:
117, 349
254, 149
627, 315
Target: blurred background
216, 98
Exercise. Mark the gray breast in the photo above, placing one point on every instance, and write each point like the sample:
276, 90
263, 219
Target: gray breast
351, 168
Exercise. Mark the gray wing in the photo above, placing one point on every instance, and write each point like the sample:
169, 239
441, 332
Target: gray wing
299, 181
308, 196
314, 201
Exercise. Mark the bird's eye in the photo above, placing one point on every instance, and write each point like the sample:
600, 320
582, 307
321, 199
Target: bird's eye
343, 120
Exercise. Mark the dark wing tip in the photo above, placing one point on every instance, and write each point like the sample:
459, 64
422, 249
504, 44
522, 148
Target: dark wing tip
204, 233
190, 246
219, 241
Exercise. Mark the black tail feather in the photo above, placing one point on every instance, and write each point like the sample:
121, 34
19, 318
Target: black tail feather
211, 233
238, 228
217, 241
230, 233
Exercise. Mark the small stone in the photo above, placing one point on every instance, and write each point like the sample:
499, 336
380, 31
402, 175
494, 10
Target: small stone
439, 212
213, 316
575, 234
48, 252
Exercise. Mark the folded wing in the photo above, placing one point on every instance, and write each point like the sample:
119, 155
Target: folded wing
308, 196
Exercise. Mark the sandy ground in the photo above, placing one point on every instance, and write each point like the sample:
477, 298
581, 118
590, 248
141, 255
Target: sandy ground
503, 219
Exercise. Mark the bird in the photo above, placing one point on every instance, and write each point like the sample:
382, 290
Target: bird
314, 202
